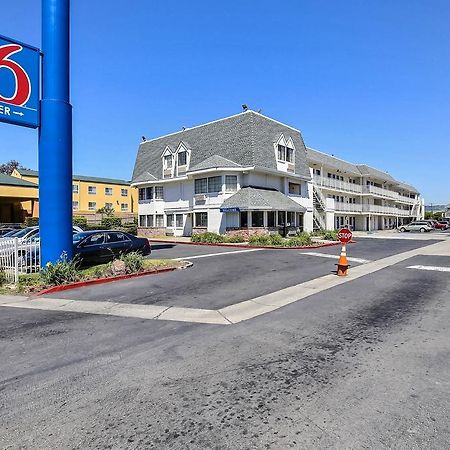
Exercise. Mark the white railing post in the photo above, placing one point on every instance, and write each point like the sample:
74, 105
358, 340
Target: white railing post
16, 260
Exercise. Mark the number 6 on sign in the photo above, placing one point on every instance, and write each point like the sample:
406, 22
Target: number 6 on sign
19, 83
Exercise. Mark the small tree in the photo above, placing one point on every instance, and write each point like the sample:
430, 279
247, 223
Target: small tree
9, 167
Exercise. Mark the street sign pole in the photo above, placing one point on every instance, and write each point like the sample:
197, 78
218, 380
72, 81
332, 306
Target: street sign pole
55, 134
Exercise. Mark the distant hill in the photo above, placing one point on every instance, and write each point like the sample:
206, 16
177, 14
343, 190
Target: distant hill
435, 208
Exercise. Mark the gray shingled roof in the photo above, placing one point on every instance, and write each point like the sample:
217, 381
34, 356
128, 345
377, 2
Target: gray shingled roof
214, 162
247, 139
252, 198
367, 171
8, 180
314, 156
407, 187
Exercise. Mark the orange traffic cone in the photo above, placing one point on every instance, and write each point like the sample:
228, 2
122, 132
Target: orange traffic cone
342, 265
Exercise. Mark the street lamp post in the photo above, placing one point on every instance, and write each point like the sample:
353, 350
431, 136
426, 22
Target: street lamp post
55, 134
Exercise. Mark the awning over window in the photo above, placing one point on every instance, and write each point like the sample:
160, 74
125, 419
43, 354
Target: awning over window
252, 198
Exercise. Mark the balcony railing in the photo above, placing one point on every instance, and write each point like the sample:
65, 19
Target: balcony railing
370, 209
381, 192
338, 185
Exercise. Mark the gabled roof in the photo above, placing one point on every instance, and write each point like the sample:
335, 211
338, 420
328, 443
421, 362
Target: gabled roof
317, 157
8, 180
212, 162
255, 198
367, 171
28, 172
247, 139
35, 173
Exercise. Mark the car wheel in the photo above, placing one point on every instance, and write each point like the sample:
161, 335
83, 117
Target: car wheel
422, 230
402, 229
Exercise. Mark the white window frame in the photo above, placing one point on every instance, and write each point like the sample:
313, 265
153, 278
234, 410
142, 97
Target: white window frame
109, 191
124, 207
75, 205
107, 205
75, 189
227, 188
92, 190
92, 208
124, 192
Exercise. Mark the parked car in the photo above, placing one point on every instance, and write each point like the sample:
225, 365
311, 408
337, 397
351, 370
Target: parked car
418, 225
96, 247
31, 233
6, 230
443, 224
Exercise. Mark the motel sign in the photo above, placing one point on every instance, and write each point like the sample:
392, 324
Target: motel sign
19, 83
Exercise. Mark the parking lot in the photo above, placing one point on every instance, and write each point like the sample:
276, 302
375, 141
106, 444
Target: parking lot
223, 276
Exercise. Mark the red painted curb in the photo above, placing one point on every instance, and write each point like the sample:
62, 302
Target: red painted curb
78, 284
327, 244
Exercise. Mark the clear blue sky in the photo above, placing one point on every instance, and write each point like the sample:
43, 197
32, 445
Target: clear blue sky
366, 81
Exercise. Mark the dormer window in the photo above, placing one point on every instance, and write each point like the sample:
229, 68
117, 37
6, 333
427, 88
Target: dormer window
182, 158
289, 154
281, 152
168, 161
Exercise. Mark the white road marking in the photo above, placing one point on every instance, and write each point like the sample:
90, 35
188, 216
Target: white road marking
187, 258
433, 268
326, 255
232, 314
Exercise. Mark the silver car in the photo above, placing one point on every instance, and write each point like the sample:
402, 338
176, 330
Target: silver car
418, 225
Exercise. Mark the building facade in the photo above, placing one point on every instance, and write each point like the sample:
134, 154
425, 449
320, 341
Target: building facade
359, 196
90, 194
18, 199
249, 174
245, 174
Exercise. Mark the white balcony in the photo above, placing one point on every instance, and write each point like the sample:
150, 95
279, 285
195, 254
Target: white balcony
337, 185
381, 192
359, 208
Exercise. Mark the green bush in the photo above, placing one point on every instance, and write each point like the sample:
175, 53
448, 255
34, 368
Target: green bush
80, 221
330, 235
302, 239
2, 278
62, 272
277, 240
208, 238
134, 262
235, 239
31, 221
29, 281
129, 228
110, 222
260, 240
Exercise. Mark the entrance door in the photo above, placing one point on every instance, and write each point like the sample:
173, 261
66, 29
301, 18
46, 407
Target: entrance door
188, 225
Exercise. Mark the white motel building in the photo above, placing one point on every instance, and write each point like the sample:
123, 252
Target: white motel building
250, 174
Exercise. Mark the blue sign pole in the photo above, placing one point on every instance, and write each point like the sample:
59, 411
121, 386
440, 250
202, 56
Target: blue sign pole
55, 134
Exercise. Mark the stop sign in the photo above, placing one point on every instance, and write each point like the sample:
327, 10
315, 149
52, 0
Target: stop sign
344, 235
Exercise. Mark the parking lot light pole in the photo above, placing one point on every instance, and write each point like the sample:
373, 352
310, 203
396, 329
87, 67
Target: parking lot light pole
55, 134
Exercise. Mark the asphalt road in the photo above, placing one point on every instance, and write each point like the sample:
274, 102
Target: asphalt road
218, 281
362, 365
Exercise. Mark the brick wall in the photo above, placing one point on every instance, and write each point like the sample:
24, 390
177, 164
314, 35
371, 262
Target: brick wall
247, 232
199, 230
152, 232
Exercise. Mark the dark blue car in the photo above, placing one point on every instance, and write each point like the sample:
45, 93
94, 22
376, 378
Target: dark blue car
97, 247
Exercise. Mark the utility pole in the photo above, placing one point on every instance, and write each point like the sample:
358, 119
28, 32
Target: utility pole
55, 134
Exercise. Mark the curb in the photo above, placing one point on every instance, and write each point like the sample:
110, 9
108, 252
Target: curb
305, 247
79, 284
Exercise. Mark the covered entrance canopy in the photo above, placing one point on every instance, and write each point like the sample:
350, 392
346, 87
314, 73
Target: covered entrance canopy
254, 207
18, 199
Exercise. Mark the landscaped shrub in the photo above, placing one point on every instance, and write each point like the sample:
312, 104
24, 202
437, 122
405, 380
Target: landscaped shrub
330, 235
80, 221
235, 239
302, 239
2, 278
260, 240
277, 240
31, 221
110, 222
208, 238
134, 262
62, 272
129, 228
29, 281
